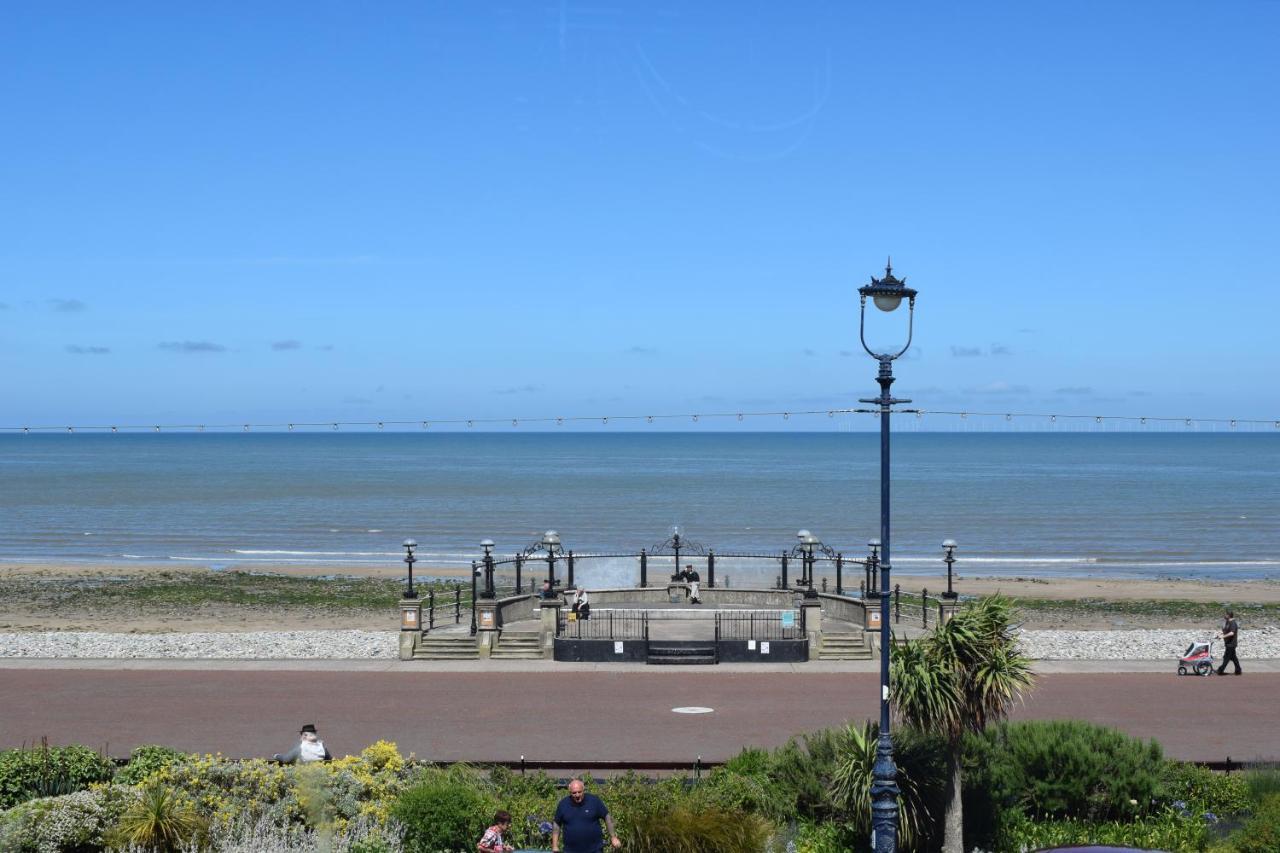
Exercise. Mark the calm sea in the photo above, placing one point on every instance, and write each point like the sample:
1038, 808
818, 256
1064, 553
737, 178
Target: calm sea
1018, 503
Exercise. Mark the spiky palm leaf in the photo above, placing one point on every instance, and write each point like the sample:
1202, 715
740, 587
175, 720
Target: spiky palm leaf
851, 786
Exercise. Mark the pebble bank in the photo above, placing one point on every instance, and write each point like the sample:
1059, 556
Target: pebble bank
374, 645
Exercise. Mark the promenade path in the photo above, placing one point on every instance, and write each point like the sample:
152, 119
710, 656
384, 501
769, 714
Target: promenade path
548, 711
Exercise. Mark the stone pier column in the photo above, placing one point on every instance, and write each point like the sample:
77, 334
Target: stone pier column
547, 631
812, 610
488, 625
410, 627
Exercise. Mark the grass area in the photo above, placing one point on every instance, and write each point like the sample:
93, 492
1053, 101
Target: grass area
1207, 610
176, 589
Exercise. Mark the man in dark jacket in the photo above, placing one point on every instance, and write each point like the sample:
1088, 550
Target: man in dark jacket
1230, 634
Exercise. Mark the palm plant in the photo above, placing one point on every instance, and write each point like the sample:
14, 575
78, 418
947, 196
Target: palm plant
962, 677
851, 786
160, 821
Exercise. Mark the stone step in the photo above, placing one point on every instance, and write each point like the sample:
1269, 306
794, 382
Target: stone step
845, 646
447, 647
681, 655
517, 645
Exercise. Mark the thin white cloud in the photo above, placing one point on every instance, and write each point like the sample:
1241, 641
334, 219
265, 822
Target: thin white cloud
999, 388
191, 346
76, 349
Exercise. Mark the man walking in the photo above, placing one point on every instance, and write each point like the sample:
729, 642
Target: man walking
579, 814
1230, 634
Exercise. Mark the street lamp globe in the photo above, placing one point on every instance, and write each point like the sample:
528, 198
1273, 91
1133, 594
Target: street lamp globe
551, 539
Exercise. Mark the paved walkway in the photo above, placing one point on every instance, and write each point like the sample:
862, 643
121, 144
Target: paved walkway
606, 712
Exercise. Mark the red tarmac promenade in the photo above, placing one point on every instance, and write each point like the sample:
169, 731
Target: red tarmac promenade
577, 715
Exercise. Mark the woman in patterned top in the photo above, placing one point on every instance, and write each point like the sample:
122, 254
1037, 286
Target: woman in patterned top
492, 841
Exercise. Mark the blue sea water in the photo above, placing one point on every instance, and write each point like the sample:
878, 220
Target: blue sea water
1084, 504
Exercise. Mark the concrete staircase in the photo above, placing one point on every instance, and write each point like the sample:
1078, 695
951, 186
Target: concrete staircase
681, 655
523, 645
447, 647
845, 645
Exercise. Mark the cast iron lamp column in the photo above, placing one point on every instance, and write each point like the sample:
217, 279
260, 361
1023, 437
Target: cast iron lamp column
409, 560
807, 543
873, 568
551, 541
887, 294
949, 546
487, 545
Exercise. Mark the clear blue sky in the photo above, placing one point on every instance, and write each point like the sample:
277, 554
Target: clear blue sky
408, 210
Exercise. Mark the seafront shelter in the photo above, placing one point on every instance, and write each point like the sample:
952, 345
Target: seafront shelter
681, 606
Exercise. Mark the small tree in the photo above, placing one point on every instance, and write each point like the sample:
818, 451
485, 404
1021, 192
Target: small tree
964, 675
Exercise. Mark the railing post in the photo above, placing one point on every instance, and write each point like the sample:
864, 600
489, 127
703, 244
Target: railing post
519, 564
431, 611
570, 582
457, 604
784, 570
897, 602
924, 606
711, 569
839, 574
644, 568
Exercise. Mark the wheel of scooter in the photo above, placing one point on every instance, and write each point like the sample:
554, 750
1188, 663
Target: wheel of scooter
1203, 668
1182, 670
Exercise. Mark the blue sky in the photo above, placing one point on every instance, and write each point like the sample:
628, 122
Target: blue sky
352, 211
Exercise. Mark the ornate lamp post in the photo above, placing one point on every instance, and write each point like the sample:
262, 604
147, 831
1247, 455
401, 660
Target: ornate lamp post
551, 542
487, 545
949, 546
409, 560
886, 294
807, 544
550, 545
873, 568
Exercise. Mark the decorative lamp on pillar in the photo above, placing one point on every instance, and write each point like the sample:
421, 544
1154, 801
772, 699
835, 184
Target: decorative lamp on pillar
873, 569
409, 560
551, 542
487, 545
949, 546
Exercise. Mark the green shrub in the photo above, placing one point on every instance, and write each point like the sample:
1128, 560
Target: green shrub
444, 811
146, 760
826, 838
1261, 834
1061, 769
46, 771
1166, 831
686, 830
1262, 782
1196, 790
74, 822
161, 820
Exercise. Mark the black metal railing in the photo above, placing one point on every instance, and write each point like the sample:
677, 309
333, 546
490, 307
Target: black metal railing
760, 625
604, 625
923, 609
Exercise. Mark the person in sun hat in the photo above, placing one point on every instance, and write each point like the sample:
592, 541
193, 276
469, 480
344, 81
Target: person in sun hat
310, 748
